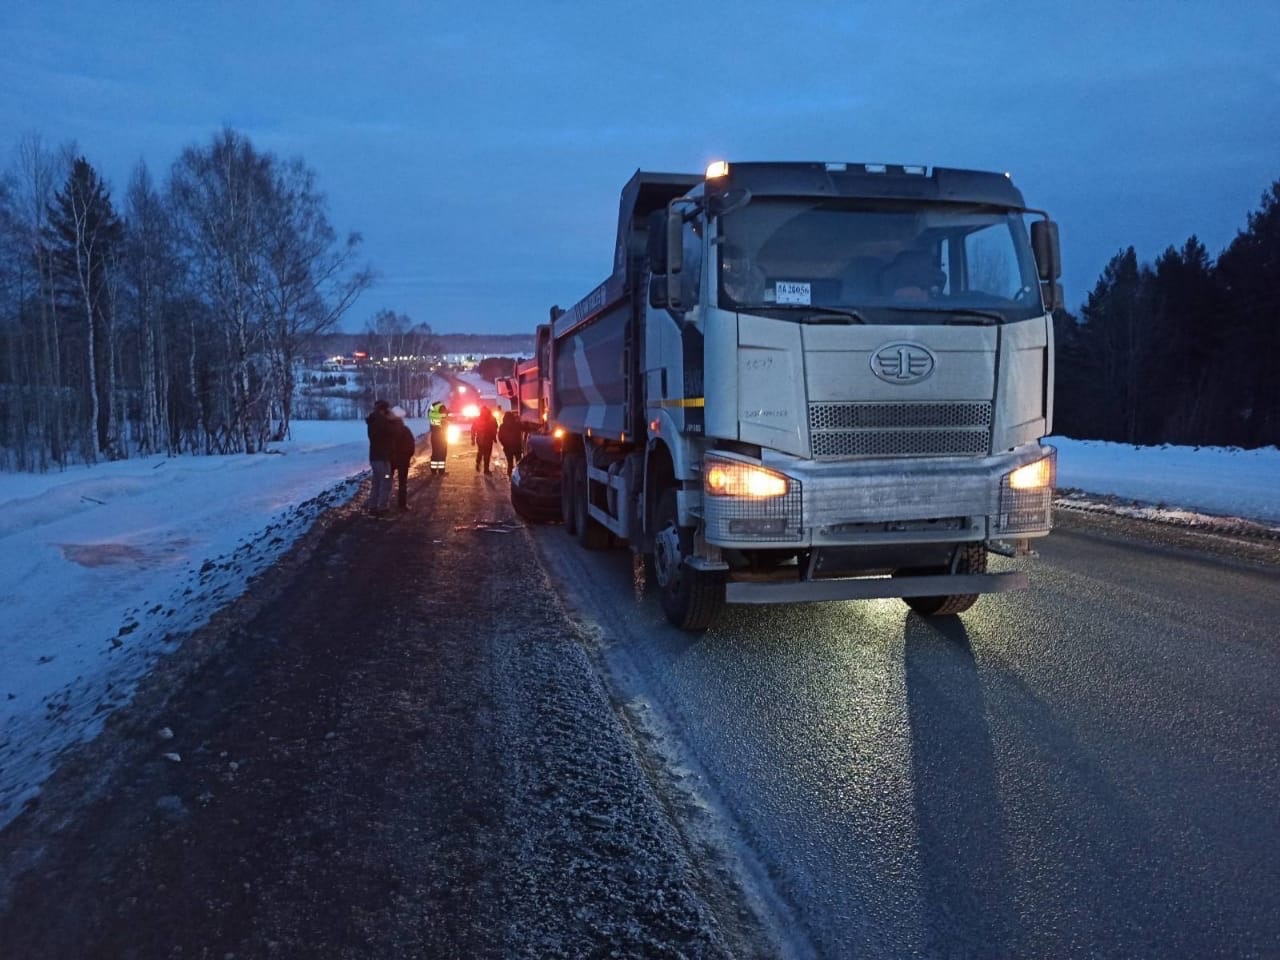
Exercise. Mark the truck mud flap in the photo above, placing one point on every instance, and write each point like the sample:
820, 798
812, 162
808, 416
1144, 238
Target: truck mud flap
873, 588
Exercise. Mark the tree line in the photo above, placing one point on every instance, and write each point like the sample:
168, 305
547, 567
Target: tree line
406, 378
170, 321
1182, 351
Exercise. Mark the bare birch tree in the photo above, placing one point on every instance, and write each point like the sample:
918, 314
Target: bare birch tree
217, 194
13, 427
39, 427
306, 282
151, 275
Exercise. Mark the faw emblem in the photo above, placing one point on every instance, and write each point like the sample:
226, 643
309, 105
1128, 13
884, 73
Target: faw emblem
902, 363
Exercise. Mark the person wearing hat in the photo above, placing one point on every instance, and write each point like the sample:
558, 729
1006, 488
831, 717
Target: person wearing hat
381, 426
484, 431
512, 438
403, 448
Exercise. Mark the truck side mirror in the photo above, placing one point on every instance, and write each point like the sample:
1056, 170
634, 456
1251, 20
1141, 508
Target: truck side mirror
1051, 292
657, 290
675, 258
1044, 244
656, 242
656, 250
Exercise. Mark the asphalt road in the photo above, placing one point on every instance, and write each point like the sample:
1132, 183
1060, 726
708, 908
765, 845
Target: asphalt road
1085, 769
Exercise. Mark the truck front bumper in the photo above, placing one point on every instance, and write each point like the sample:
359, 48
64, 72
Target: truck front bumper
872, 588
944, 499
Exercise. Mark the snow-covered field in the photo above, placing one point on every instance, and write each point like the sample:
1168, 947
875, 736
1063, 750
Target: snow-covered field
105, 569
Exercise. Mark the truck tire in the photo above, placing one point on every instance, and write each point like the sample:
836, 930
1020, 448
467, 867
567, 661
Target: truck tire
691, 599
568, 470
972, 559
592, 535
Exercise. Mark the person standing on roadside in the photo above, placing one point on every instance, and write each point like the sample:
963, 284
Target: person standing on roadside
484, 431
511, 436
403, 447
381, 427
438, 418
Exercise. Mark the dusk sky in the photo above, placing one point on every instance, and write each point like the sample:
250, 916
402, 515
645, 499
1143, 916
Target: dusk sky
480, 147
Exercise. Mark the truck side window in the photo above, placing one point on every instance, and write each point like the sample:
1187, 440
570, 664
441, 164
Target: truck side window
990, 258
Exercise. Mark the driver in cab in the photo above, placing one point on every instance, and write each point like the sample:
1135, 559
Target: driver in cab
742, 280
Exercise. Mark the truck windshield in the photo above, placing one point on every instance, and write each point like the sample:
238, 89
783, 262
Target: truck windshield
887, 261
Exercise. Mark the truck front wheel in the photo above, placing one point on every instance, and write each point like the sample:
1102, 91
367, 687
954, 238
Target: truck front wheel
972, 559
691, 599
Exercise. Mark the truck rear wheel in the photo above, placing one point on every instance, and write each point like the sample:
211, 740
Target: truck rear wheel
568, 470
592, 535
691, 599
972, 559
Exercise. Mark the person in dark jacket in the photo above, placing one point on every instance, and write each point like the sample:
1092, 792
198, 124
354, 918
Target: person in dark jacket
512, 439
381, 427
484, 431
404, 446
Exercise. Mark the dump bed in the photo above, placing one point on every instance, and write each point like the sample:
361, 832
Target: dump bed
595, 344
527, 389
590, 350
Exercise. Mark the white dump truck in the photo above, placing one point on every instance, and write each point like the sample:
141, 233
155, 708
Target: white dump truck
812, 382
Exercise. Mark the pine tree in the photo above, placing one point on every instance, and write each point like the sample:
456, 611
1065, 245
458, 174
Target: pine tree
1113, 343
1184, 392
1250, 274
82, 237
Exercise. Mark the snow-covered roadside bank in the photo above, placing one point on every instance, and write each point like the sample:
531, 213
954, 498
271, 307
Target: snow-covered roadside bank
1208, 487
105, 569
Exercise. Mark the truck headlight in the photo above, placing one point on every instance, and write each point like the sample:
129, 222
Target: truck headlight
1026, 499
730, 478
745, 504
1033, 476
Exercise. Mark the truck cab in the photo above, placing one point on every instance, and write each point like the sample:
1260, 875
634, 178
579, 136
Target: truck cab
837, 381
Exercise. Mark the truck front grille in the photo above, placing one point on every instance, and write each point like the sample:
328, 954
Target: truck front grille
900, 429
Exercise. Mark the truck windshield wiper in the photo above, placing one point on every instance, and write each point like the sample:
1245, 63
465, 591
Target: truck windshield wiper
958, 315
820, 315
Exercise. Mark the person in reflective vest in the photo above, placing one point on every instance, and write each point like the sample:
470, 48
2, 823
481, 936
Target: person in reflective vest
438, 418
